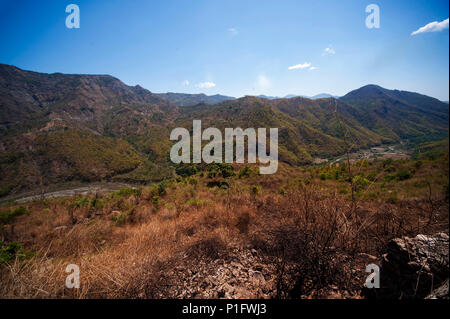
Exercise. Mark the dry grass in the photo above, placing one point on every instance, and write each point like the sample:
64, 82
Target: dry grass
124, 245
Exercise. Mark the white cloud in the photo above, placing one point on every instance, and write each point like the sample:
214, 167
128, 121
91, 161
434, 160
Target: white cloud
313, 68
432, 27
206, 85
233, 31
185, 83
329, 50
263, 82
300, 66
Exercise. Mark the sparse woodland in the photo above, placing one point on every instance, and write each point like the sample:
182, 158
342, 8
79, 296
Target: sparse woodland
220, 231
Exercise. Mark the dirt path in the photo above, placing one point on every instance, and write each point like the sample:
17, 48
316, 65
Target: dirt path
83, 190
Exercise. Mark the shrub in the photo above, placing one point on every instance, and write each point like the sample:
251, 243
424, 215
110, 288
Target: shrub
128, 191
245, 172
387, 162
336, 174
193, 181
120, 219
360, 182
363, 163
12, 251
186, 170
420, 184
96, 203
195, 202
162, 188
298, 182
255, 189
4, 190
220, 170
81, 202
221, 184
372, 176
158, 190
403, 175
389, 178
9, 216
224, 186
226, 169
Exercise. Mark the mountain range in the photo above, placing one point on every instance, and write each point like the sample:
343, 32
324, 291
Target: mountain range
184, 99
58, 128
289, 96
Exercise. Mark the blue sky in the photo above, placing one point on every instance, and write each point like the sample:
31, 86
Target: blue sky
234, 47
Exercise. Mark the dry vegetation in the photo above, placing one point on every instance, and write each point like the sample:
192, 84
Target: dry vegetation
298, 228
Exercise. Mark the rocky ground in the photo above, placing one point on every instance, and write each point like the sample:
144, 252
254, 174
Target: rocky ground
412, 268
242, 273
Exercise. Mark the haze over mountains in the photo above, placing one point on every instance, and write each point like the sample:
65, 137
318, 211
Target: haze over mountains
184, 99
289, 96
56, 127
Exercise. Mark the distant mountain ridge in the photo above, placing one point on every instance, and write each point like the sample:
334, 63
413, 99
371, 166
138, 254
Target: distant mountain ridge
185, 99
63, 127
290, 96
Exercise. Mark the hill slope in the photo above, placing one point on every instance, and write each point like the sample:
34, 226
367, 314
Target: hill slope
61, 127
30, 99
399, 114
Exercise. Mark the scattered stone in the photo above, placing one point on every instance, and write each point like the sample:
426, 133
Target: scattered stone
368, 257
222, 278
258, 278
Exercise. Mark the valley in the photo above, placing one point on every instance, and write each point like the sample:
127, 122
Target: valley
394, 151
64, 191
86, 178
123, 131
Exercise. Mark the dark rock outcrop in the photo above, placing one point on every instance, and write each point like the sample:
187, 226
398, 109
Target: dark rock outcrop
439, 293
415, 268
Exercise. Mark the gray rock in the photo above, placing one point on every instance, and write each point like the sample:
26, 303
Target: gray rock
439, 293
414, 267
